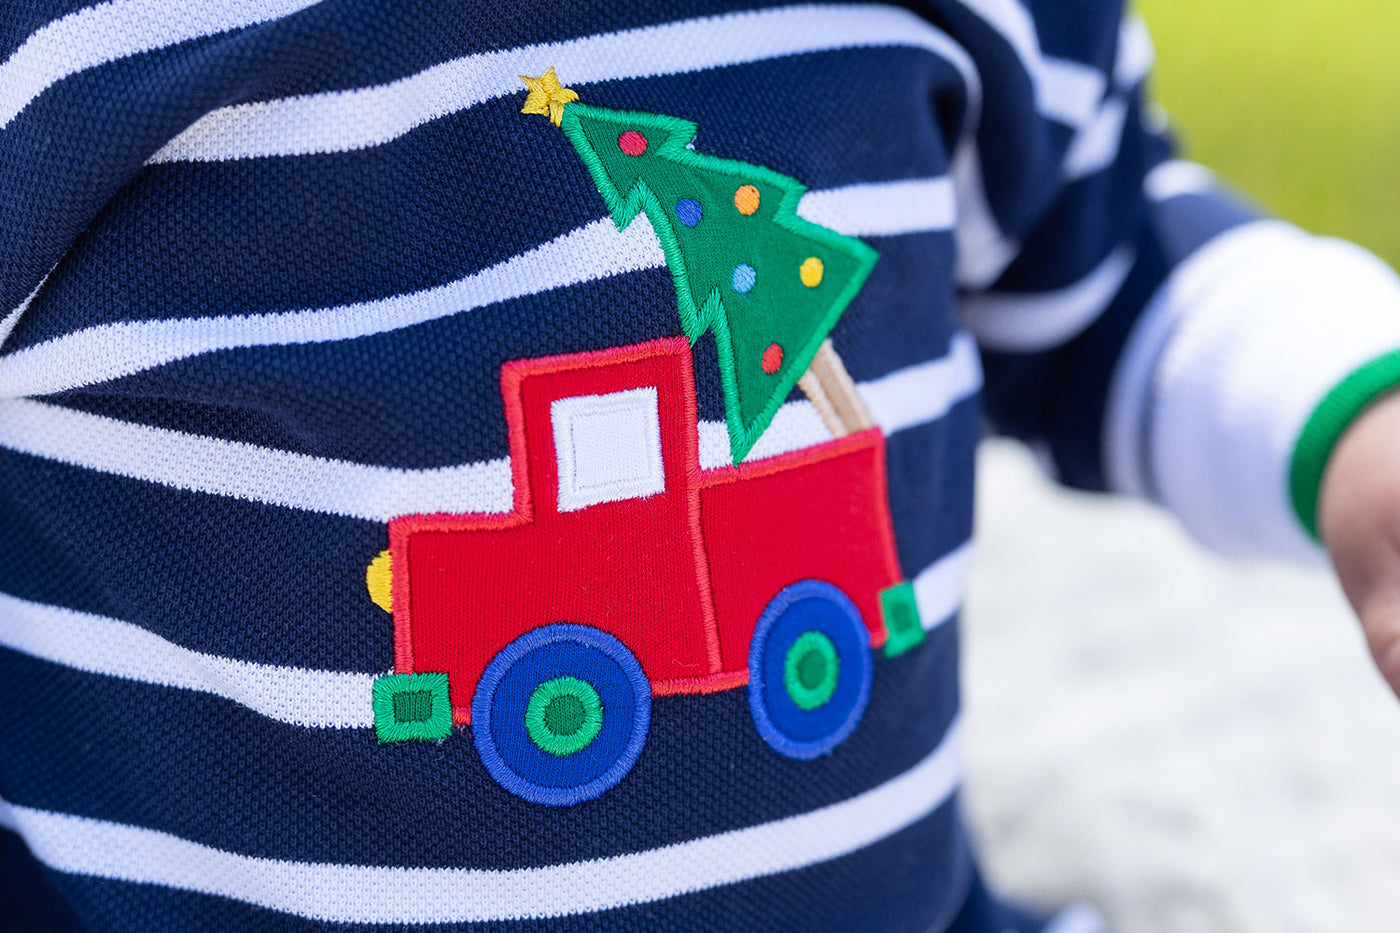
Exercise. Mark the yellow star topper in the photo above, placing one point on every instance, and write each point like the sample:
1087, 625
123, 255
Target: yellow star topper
547, 96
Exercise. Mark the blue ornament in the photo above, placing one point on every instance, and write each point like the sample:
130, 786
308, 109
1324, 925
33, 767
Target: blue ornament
744, 278
689, 212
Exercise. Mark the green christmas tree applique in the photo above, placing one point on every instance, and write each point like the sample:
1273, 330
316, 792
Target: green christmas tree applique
769, 285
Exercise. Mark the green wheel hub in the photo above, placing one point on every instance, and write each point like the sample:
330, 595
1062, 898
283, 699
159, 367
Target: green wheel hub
563, 716
811, 670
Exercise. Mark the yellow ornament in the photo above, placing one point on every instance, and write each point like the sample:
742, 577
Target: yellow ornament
547, 96
811, 271
379, 580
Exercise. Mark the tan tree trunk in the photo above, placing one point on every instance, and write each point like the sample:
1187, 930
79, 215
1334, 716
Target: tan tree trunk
833, 391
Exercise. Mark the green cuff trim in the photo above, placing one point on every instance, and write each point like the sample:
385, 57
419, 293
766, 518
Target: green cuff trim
1333, 415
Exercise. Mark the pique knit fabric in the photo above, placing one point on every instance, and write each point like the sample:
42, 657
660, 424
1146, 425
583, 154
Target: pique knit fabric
374, 548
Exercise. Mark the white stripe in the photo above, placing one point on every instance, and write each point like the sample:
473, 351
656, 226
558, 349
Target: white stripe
376, 493
307, 697
1178, 177
902, 399
795, 426
1030, 323
99, 645
594, 251
1077, 918
1135, 53
884, 208
258, 474
340, 121
342, 893
984, 251
1096, 145
919, 394
941, 587
1066, 91
106, 32
109, 351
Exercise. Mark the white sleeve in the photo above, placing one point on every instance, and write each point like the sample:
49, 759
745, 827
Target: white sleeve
1239, 378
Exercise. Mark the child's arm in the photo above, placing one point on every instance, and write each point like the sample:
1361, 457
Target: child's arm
1152, 335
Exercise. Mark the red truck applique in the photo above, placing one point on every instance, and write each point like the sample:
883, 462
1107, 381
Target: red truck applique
626, 571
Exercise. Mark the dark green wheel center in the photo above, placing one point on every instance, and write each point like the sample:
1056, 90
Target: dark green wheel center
413, 706
811, 670
563, 716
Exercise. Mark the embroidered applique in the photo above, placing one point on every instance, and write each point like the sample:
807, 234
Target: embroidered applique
810, 669
766, 283
623, 570
547, 97
900, 610
561, 714
379, 576
411, 707
543, 621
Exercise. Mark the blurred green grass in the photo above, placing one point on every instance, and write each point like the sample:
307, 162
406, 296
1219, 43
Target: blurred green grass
1297, 102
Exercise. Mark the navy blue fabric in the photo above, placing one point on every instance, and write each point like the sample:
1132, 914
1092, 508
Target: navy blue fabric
1071, 414
20, 18
1187, 222
1102, 211
76, 540
117, 240
1076, 30
280, 397
292, 582
30, 901
277, 790
931, 472
238, 245
910, 883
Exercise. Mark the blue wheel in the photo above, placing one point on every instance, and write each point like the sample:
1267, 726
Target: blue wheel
561, 714
809, 669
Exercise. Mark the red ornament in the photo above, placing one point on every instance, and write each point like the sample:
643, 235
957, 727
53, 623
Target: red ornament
632, 143
772, 359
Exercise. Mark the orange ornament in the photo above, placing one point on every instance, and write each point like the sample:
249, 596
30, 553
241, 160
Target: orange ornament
746, 200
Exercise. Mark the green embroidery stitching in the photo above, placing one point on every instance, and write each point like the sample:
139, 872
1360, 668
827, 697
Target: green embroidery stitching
411, 707
810, 670
901, 613
744, 265
1324, 428
564, 716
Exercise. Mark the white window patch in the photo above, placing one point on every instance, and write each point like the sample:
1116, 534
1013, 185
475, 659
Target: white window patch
608, 447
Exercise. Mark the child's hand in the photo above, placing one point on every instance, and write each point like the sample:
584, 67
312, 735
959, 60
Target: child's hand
1359, 519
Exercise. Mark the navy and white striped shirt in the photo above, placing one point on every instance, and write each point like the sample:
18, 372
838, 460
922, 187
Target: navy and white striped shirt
262, 263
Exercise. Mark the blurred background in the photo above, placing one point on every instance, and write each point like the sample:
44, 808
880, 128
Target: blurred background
1193, 745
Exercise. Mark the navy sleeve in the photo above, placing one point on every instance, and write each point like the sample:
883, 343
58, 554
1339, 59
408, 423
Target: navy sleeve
1087, 214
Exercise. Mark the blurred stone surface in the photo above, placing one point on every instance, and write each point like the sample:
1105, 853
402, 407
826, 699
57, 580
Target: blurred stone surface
1193, 745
